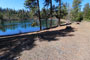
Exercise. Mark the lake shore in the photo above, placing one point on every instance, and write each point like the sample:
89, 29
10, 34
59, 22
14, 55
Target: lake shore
73, 47
52, 44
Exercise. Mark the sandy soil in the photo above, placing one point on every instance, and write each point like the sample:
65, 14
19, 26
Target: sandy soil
74, 46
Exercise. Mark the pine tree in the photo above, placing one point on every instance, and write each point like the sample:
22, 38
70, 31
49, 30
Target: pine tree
86, 12
76, 10
32, 4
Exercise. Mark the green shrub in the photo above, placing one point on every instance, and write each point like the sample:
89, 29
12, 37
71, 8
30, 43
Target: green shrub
1, 16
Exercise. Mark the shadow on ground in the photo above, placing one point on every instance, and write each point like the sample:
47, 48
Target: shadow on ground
10, 48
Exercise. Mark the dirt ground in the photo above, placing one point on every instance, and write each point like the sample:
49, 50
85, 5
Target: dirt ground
74, 46
53, 44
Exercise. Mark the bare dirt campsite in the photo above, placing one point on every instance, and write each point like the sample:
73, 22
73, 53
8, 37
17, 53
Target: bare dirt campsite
44, 29
52, 44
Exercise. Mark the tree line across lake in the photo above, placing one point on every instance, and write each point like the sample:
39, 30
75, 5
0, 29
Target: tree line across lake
61, 11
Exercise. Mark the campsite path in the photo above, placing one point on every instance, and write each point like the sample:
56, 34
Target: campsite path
74, 46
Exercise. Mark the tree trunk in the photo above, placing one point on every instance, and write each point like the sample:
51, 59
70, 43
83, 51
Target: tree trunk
39, 14
59, 20
46, 14
51, 13
46, 23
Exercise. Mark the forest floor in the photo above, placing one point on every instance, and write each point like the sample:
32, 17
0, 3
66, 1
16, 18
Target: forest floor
74, 46
53, 44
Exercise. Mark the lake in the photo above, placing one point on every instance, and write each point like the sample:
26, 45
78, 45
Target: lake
25, 26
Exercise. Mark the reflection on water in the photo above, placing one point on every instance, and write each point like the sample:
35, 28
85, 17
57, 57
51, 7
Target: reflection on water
16, 27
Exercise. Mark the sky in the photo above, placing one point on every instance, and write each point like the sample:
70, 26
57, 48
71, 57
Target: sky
19, 4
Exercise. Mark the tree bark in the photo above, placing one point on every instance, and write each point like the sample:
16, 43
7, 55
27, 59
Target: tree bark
39, 14
51, 13
46, 23
59, 20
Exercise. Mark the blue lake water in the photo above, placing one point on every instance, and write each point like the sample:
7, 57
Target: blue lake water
16, 27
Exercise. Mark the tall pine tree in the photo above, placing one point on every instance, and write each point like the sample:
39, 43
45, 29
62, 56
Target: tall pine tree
76, 10
87, 12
